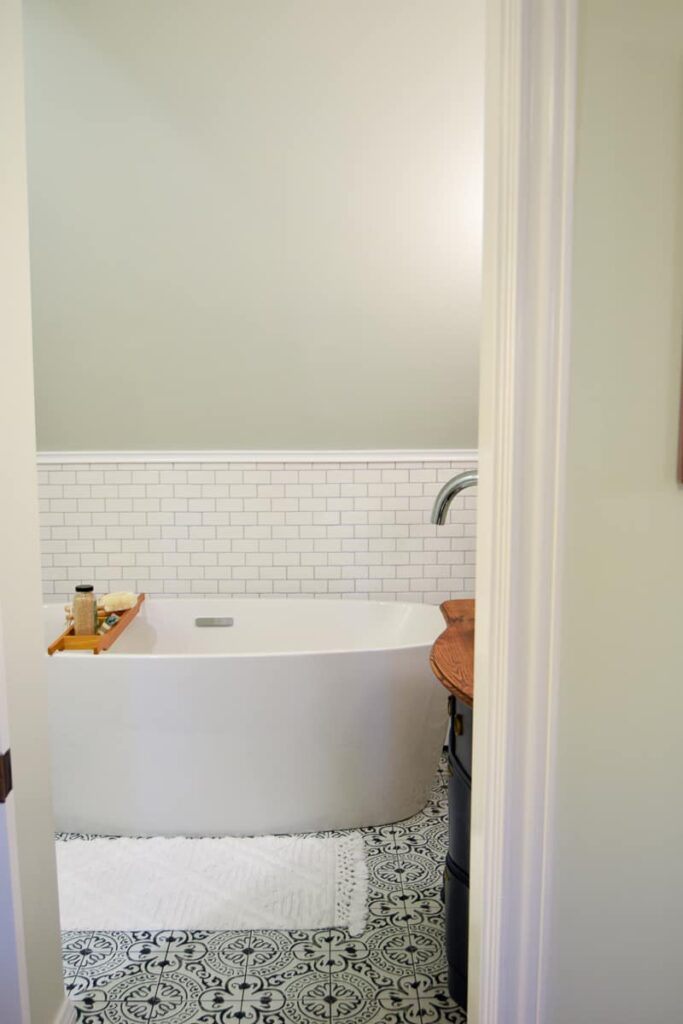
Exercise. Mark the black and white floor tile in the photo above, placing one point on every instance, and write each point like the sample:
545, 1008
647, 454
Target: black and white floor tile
395, 973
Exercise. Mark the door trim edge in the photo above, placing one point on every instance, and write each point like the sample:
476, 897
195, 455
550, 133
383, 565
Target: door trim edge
529, 174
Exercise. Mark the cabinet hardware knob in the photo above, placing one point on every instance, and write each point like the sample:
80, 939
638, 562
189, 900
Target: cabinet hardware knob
458, 725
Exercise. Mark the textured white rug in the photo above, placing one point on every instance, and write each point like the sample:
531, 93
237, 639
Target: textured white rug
288, 882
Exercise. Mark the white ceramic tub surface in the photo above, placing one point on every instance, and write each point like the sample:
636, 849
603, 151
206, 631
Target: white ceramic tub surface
304, 715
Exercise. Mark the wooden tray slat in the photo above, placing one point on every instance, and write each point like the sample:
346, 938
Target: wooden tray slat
67, 641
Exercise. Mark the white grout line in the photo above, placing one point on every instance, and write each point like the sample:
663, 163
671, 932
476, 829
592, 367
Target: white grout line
325, 529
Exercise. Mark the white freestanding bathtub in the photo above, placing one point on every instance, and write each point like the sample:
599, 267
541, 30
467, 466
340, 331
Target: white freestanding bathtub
301, 716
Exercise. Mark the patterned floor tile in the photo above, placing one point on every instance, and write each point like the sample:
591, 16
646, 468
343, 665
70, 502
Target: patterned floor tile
110, 956
128, 1002
209, 957
435, 1002
353, 999
292, 963
394, 973
407, 905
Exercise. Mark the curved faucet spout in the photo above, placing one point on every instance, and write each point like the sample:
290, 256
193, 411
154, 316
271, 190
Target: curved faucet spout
449, 491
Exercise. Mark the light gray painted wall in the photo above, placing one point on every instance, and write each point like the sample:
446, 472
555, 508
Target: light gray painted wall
617, 894
255, 224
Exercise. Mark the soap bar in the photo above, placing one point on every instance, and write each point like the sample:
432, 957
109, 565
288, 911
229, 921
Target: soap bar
107, 623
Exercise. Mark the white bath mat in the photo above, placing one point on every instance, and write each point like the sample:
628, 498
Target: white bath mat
288, 882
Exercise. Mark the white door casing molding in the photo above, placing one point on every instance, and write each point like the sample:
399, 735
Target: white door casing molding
33, 941
13, 978
529, 159
14, 1006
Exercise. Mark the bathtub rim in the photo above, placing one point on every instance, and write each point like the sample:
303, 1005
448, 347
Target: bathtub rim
425, 645
218, 655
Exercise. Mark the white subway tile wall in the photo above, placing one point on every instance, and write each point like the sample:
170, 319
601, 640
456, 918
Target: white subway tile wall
355, 530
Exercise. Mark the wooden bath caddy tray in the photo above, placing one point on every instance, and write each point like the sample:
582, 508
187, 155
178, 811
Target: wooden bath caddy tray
69, 642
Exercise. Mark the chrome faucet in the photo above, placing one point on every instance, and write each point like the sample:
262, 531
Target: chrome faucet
449, 491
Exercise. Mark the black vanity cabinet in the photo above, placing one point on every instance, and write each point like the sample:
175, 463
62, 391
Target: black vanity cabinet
452, 661
457, 869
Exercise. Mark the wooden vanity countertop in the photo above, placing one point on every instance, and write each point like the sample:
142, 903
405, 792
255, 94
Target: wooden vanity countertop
452, 657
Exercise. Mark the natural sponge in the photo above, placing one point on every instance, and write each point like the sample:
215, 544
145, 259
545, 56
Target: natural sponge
118, 602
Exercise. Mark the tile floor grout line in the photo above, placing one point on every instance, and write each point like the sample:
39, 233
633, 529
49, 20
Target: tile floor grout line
153, 997
246, 969
407, 924
330, 997
77, 972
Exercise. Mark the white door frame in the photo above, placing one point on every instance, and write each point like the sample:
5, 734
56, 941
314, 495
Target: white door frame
31, 989
530, 86
529, 163
13, 973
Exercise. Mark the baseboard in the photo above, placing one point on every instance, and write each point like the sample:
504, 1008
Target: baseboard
262, 455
